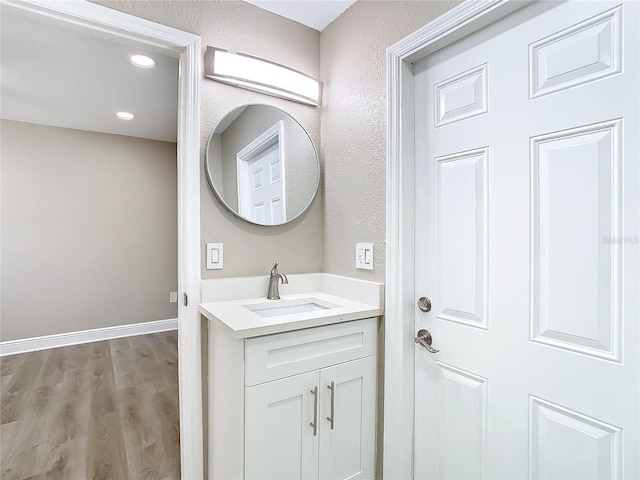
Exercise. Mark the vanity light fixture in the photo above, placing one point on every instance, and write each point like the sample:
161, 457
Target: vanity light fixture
125, 115
142, 61
259, 75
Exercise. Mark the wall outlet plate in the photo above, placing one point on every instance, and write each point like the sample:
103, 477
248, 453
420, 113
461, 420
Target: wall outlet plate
364, 256
215, 256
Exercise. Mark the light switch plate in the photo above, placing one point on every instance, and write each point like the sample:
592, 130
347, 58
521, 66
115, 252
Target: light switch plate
215, 256
364, 256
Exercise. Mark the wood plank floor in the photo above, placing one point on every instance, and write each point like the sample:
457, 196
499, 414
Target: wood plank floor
103, 410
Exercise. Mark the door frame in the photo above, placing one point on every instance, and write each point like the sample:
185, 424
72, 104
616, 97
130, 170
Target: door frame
186, 47
460, 21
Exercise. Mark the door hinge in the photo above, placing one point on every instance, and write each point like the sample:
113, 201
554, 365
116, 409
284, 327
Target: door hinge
186, 300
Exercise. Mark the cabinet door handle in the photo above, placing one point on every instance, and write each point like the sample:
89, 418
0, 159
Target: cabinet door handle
332, 418
314, 424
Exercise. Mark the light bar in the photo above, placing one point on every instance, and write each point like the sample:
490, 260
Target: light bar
262, 76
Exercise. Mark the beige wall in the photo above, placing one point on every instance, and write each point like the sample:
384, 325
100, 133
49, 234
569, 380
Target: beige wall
239, 26
353, 150
349, 57
354, 126
89, 230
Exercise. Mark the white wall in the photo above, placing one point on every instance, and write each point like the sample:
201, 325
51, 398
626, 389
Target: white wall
89, 230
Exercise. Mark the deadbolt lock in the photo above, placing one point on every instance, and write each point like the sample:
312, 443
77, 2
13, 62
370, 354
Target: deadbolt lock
424, 304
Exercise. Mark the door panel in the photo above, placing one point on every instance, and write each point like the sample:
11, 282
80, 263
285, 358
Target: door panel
262, 194
527, 223
462, 96
582, 53
464, 403
347, 450
576, 298
553, 428
462, 241
279, 442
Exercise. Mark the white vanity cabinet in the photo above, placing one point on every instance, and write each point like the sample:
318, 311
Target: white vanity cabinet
304, 406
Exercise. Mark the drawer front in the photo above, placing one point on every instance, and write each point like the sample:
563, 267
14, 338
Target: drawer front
284, 354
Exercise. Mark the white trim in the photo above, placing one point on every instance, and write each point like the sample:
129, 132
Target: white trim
189, 276
186, 47
459, 22
24, 345
261, 141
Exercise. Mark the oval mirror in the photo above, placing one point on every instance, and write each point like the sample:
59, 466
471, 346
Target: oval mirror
262, 165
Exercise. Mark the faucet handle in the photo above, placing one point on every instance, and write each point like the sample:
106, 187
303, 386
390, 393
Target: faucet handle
274, 270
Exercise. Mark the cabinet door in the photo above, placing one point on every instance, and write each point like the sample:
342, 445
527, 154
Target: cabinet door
348, 450
279, 441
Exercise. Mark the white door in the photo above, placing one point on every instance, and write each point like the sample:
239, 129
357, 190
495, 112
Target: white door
527, 225
279, 441
348, 420
261, 188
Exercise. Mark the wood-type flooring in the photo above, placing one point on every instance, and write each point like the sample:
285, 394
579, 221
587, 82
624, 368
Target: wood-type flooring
103, 410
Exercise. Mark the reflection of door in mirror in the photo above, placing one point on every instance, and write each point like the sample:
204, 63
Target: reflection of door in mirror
259, 189
261, 179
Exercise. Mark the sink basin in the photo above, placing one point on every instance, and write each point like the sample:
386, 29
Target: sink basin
277, 308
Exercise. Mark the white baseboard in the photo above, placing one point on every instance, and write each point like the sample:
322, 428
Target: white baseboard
24, 345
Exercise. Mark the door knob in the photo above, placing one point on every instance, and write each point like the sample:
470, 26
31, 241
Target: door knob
424, 304
424, 338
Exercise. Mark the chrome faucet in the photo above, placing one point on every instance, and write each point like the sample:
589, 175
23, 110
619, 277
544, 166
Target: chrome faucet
273, 293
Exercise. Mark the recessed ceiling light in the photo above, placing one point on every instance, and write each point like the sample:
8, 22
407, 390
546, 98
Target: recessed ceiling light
142, 61
125, 115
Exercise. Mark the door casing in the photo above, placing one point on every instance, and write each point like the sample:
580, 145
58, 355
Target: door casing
186, 47
466, 18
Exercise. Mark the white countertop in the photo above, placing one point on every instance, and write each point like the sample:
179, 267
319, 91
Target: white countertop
245, 323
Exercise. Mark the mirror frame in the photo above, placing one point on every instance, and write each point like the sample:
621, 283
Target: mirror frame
219, 197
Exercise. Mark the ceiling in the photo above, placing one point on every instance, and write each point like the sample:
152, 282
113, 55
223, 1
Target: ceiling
66, 76
58, 74
316, 14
